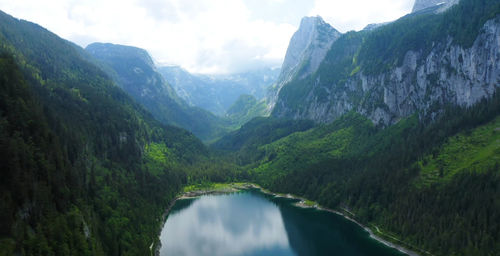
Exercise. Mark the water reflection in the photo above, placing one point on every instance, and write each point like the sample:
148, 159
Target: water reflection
237, 224
252, 223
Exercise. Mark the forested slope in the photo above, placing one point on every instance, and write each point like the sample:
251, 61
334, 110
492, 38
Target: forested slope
84, 169
406, 140
432, 184
134, 71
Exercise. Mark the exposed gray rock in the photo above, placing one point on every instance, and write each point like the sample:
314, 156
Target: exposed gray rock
448, 74
424, 4
306, 51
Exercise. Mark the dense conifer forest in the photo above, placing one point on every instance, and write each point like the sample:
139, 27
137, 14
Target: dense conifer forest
86, 170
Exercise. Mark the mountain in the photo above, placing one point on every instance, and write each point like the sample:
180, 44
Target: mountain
216, 93
191, 88
245, 109
415, 64
396, 128
135, 72
84, 169
424, 4
405, 134
246, 142
414, 183
375, 25
306, 50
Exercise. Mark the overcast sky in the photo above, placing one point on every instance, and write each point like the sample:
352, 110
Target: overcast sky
203, 36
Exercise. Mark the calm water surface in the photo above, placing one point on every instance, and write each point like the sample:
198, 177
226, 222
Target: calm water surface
252, 223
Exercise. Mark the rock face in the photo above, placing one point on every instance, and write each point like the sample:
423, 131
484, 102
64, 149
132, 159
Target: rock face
191, 88
450, 74
446, 74
306, 51
423, 4
135, 71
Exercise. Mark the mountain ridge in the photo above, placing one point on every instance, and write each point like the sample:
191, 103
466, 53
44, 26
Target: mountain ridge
307, 49
424, 4
216, 93
386, 84
85, 169
140, 78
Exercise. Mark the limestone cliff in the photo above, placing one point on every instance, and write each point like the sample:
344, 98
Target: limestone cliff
305, 52
447, 73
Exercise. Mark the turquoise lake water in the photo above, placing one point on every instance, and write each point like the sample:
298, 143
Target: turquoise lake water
252, 223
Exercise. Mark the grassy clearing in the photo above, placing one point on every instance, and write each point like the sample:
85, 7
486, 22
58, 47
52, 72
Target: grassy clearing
310, 203
222, 187
475, 150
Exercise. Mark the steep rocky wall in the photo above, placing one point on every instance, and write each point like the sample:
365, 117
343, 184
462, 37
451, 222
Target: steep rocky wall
307, 49
448, 74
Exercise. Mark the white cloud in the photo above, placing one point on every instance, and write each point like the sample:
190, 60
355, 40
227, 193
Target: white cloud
209, 36
356, 14
214, 226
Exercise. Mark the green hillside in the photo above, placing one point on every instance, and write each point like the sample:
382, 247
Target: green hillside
401, 180
243, 145
476, 150
134, 71
88, 167
245, 109
80, 172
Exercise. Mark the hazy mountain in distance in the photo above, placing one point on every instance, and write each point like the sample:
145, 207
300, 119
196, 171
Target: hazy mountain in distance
138, 76
217, 93
245, 109
423, 4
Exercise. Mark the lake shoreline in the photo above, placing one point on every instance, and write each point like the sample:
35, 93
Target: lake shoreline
155, 248
233, 188
302, 204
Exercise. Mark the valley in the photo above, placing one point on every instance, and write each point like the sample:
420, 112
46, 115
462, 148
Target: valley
395, 128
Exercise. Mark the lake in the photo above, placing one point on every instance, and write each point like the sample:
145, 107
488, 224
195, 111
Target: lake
253, 223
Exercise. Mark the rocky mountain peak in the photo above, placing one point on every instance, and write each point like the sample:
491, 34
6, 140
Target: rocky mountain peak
442, 71
311, 41
306, 51
308, 23
108, 50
